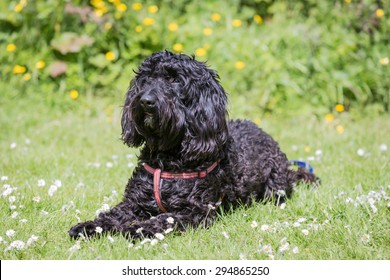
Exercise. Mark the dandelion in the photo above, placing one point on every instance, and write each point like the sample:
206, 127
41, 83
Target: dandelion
31, 240
52, 190
136, 6
254, 224
215, 17
329, 118
18, 8
19, 69
98, 230
148, 21
74, 94
239, 65
200, 52
305, 232
10, 233
258, 19
40, 65
121, 7
360, 152
110, 56
365, 238
339, 108
177, 47
173, 27
207, 31
26, 77
10, 48
170, 220
236, 22
264, 227
380, 13
384, 61
225, 234
159, 236
153, 9
295, 250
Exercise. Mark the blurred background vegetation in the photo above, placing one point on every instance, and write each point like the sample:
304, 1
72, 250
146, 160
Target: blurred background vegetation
272, 55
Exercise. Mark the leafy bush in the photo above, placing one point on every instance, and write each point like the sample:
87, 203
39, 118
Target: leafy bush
274, 53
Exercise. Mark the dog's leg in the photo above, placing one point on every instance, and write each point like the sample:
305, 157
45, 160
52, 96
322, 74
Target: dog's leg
115, 220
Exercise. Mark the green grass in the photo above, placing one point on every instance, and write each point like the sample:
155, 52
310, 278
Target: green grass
68, 139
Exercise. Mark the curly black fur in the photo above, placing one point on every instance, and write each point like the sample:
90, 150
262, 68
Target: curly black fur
175, 109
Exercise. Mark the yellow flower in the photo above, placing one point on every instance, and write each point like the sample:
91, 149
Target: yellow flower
258, 121
121, 7
207, 31
239, 65
347, 1
215, 17
18, 69
153, 9
136, 6
236, 22
110, 56
173, 26
74, 94
380, 13
148, 21
107, 26
200, 52
340, 129
98, 3
329, 118
307, 149
27, 76
340, 108
384, 61
18, 8
11, 47
100, 12
177, 47
258, 19
138, 29
40, 64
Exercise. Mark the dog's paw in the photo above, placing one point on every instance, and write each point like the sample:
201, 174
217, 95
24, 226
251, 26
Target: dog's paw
83, 229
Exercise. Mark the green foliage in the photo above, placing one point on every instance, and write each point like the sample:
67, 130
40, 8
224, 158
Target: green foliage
274, 53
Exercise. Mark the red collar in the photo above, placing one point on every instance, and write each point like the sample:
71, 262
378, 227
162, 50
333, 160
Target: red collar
158, 175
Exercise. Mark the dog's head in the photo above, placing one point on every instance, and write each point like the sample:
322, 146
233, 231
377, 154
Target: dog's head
175, 103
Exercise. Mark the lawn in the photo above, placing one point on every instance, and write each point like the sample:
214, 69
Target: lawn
62, 160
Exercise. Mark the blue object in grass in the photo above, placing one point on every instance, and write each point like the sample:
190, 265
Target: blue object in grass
303, 164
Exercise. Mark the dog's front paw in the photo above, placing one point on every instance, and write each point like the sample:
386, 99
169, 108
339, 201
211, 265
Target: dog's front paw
86, 229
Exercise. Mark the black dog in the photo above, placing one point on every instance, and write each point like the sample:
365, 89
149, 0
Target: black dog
192, 160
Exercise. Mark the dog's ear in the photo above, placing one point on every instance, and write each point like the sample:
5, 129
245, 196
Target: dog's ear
130, 135
206, 118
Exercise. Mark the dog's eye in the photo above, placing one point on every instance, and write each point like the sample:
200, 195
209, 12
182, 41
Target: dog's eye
173, 80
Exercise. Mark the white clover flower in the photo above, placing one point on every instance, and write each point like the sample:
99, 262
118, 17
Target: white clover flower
349, 200
139, 230
305, 232
211, 207
41, 183
265, 227
383, 147
281, 193
10, 233
36, 198
154, 242
365, 238
130, 165
14, 215
170, 220
12, 199
13, 145
23, 221
98, 230
17, 245
52, 190
254, 224
295, 250
225, 234
302, 220
159, 236
296, 224
110, 239
318, 153
32, 240
44, 212
146, 240
360, 152
58, 183
12, 207
109, 165
1, 239
168, 230
282, 206
4, 178
7, 190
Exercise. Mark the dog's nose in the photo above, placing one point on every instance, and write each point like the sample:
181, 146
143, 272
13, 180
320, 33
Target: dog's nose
148, 101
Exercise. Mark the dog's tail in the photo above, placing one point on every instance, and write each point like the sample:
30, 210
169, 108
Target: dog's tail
302, 172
